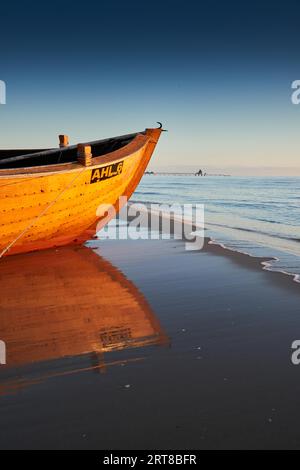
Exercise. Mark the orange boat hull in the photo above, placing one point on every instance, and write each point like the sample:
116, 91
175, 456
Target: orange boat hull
45, 207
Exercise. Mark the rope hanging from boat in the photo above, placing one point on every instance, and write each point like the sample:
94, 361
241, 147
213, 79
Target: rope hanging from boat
39, 216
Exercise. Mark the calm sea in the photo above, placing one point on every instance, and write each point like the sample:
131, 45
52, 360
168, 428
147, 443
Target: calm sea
254, 215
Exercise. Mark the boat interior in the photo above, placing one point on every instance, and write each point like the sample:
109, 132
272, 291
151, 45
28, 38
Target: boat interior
19, 158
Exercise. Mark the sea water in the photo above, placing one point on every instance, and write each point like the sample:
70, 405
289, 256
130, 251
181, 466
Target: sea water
259, 216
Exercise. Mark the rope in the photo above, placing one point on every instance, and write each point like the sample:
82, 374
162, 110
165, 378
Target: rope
39, 216
20, 180
58, 161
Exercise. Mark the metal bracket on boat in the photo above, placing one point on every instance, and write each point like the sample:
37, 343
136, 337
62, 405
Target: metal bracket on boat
160, 127
84, 154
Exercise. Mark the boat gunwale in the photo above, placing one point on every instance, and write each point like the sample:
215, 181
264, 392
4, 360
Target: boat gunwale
136, 144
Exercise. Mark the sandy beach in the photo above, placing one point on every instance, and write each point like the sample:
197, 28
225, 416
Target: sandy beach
143, 345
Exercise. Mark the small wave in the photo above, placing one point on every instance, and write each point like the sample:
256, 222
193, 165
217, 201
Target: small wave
258, 232
147, 193
268, 264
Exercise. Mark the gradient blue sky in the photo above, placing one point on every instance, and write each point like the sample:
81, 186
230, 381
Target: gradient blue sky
217, 74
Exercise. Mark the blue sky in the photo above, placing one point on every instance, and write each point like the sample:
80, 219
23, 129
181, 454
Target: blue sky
217, 74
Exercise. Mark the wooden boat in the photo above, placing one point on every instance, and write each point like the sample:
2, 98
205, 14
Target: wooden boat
72, 308
50, 198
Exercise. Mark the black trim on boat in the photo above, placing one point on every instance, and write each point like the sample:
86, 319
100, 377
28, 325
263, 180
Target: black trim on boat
10, 159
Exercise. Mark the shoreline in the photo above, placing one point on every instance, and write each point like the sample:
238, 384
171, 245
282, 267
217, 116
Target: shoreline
265, 262
256, 217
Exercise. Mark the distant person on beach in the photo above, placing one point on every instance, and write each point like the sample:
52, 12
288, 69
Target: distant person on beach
199, 173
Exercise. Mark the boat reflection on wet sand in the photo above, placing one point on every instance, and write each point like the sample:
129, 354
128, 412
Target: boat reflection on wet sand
68, 303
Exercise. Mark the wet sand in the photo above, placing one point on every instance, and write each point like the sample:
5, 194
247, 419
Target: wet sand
143, 345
